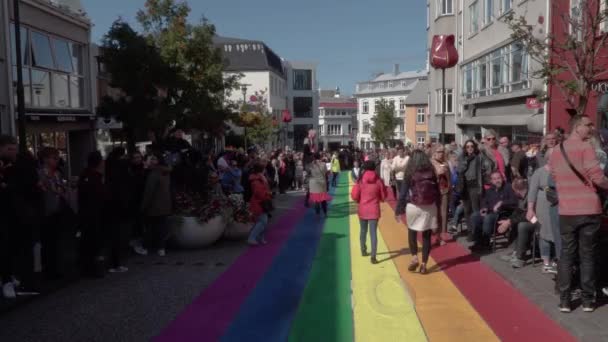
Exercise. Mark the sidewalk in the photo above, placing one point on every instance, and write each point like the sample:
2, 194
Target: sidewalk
539, 289
133, 306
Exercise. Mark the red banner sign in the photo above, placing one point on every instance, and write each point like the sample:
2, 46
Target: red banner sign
533, 103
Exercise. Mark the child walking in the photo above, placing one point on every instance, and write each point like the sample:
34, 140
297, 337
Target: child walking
368, 193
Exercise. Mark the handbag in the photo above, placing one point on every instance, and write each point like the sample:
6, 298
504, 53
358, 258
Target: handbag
551, 195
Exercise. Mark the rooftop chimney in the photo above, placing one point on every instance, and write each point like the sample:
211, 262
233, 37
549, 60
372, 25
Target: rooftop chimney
337, 95
396, 69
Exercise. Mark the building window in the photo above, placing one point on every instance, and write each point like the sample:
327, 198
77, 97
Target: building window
376, 105
446, 101
420, 115
322, 130
302, 107
576, 16
52, 70
334, 129
350, 129
401, 104
400, 128
366, 127
501, 71
505, 6
473, 18
302, 79
365, 107
488, 11
444, 7
421, 138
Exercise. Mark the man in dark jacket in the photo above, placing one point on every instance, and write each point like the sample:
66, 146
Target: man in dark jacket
521, 228
497, 200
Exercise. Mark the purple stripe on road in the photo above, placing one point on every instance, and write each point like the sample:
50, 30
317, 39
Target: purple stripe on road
209, 315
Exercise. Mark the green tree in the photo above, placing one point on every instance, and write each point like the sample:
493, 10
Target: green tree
138, 73
256, 120
384, 122
198, 99
575, 59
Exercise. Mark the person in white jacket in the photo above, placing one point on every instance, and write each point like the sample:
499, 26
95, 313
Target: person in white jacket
398, 166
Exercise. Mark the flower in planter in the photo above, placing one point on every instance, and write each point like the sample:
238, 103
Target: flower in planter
240, 209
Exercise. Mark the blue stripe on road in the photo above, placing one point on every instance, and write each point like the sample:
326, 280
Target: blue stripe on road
269, 310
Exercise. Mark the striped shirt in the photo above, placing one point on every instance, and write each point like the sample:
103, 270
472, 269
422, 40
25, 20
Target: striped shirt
575, 198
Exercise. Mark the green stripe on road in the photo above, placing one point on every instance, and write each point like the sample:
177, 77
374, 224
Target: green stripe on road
325, 311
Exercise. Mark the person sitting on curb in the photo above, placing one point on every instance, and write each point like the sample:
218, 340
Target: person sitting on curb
499, 197
517, 219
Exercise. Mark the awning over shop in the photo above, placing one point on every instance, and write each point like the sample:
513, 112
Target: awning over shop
535, 122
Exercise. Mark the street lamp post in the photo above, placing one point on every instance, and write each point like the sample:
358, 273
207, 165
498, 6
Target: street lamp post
244, 91
20, 94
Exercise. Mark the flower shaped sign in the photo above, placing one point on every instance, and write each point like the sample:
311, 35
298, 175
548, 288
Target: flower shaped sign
443, 52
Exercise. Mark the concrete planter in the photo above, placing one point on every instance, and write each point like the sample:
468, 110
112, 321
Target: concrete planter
190, 232
237, 231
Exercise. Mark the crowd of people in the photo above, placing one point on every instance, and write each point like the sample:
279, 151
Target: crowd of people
545, 194
124, 201
545, 200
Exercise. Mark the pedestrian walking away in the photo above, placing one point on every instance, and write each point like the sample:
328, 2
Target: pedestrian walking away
369, 192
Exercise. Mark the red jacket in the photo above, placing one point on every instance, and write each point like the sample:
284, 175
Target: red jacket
369, 192
260, 192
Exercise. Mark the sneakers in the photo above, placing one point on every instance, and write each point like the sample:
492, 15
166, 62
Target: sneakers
161, 252
119, 269
8, 290
565, 306
374, 260
549, 269
517, 263
605, 291
508, 257
138, 248
588, 307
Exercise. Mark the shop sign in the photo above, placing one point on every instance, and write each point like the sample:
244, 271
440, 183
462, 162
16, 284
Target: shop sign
533, 103
600, 87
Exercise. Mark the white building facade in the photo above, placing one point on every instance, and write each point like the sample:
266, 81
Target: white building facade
492, 82
286, 85
392, 87
337, 120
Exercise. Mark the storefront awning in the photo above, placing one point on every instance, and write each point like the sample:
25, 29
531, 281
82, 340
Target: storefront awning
534, 123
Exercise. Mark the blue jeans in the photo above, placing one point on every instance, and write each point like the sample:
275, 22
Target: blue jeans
458, 214
545, 249
483, 226
373, 227
259, 228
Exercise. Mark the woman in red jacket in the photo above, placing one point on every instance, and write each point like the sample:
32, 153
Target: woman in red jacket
369, 192
258, 205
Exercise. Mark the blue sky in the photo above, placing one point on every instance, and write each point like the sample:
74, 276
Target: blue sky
349, 39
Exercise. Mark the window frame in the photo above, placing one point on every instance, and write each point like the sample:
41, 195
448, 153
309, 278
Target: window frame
443, 97
420, 115
442, 8
488, 17
365, 107
76, 75
473, 18
504, 11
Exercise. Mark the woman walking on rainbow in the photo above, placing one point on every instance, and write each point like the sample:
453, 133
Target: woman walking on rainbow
420, 201
368, 192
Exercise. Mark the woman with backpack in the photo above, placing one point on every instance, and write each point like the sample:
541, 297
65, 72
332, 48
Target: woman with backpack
368, 193
420, 201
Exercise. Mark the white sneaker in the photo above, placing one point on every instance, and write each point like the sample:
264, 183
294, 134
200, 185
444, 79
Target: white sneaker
605, 290
8, 290
161, 252
119, 269
140, 250
15, 281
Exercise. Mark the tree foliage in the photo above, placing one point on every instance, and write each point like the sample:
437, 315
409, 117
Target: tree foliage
384, 122
255, 119
573, 61
170, 74
137, 72
199, 97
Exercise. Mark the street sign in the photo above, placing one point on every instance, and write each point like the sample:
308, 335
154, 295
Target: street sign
533, 103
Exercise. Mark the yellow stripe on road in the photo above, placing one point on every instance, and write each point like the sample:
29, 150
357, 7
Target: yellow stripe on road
382, 307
